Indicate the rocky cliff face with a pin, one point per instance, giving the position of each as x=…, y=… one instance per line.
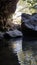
x=7, y=7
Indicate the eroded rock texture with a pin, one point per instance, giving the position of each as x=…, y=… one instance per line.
x=7, y=7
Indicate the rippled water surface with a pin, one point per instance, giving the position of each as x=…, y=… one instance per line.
x=18, y=52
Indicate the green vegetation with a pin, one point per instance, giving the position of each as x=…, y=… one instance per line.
x=31, y=5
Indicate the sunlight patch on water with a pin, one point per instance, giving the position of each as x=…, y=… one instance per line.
x=17, y=46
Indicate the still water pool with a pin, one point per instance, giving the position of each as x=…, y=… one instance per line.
x=18, y=52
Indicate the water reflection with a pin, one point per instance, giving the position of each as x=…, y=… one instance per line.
x=7, y=56
x=30, y=52
x=18, y=52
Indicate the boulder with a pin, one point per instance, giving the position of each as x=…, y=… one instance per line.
x=13, y=34
x=29, y=24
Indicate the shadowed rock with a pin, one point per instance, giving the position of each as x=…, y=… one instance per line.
x=7, y=8
x=29, y=24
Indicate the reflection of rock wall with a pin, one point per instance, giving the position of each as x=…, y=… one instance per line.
x=7, y=7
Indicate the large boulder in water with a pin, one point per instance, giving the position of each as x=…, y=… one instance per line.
x=29, y=24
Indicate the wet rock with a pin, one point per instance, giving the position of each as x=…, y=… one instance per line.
x=1, y=35
x=29, y=24
x=13, y=34
x=10, y=34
